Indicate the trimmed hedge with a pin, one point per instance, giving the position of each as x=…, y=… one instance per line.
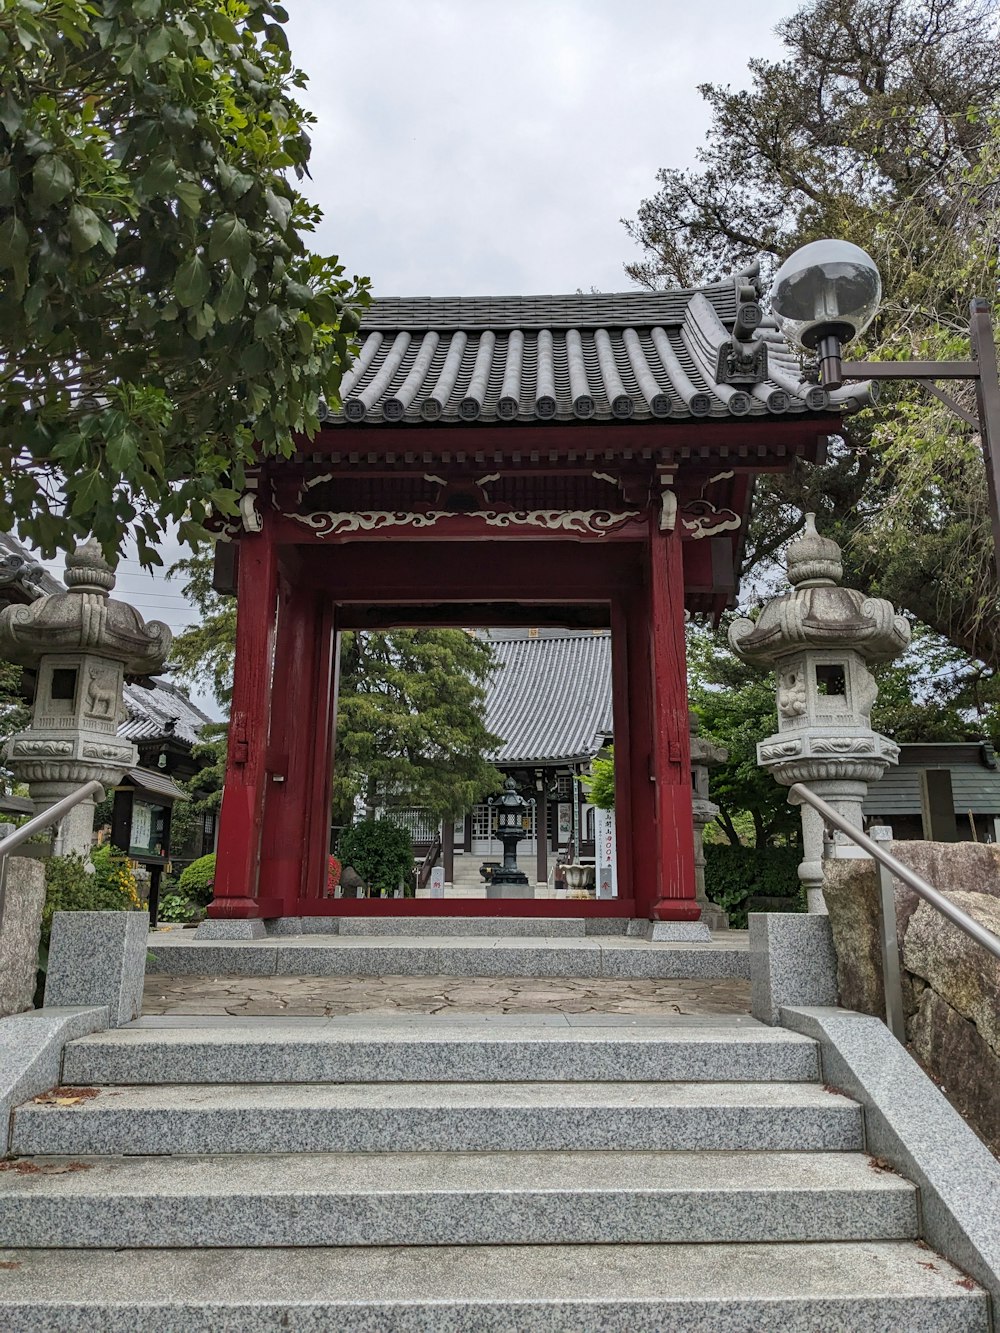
x=734, y=875
x=196, y=880
x=380, y=852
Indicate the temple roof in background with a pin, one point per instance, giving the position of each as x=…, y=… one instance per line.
x=164, y=710
x=624, y=356
x=22, y=577
x=550, y=695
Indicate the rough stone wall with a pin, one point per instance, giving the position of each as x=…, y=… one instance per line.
x=951, y=986
x=19, y=934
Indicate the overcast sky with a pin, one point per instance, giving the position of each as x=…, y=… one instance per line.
x=490, y=147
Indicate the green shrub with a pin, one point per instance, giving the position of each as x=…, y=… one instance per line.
x=70, y=888
x=176, y=907
x=380, y=852
x=197, y=880
x=734, y=875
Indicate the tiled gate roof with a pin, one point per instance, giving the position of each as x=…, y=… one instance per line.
x=614, y=357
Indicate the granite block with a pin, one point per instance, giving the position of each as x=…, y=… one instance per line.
x=20, y=929
x=457, y=1198
x=912, y=1125
x=443, y=1117
x=174, y=956
x=230, y=930
x=466, y=1052
x=429, y=958
x=98, y=958
x=304, y=925
x=31, y=1053
x=697, y=961
x=792, y=962
x=856, y=1287
x=444, y=927
x=678, y=930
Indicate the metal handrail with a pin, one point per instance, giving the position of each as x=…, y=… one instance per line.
x=888, y=866
x=37, y=822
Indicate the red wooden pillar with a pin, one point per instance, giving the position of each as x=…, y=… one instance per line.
x=324, y=727
x=671, y=739
x=632, y=699
x=241, y=816
x=294, y=744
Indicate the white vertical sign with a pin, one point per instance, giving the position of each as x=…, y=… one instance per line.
x=437, y=882
x=607, y=868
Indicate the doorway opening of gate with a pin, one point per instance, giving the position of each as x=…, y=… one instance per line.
x=531, y=834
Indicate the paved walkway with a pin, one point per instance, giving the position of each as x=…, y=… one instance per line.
x=332, y=996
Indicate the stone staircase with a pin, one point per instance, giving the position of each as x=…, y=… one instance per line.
x=557, y=1172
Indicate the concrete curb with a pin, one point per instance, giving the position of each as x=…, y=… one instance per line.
x=913, y=1126
x=31, y=1048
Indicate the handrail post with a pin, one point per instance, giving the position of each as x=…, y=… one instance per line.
x=889, y=939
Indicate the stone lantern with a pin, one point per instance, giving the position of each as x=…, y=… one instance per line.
x=511, y=811
x=820, y=639
x=704, y=753
x=81, y=644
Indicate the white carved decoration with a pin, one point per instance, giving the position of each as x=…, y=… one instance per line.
x=668, y=511
x=250, y=514
x=594, y=522
x=701, y=518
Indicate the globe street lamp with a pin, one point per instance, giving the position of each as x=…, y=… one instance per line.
x=828, y=292
x=825, y=294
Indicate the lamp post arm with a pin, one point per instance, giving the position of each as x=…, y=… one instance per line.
x=910, y=370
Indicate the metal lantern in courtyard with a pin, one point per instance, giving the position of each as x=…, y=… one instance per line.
x=825, y=294
x=511, y=810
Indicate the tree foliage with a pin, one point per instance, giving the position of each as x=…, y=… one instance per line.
x=410, y=727
x=14, y=714
x=381, y=852
x=736, y=708
x=161, y=318
x=600, y=784
x=881, y=124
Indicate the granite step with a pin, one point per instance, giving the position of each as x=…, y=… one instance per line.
x=442, y=1053
x=508, y=927
x=866, y=1287
x=176, y=953
x=453, y=1199
x=437, y=1117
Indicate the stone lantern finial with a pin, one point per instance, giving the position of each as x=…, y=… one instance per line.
x=821, y=639
x=82, y=644
x=814, y=560
x=88, y=571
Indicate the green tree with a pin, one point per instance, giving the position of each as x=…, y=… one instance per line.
x=735, y=704
x=881, y=124
x=410, y=727
x=161, y=319
x=14, y=714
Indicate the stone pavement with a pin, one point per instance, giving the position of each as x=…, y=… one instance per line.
x=332, y=996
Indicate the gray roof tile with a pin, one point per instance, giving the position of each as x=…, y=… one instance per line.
x=589, y=356
x=550, y=696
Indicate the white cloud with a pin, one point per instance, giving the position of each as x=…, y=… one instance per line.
x=469, y=147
